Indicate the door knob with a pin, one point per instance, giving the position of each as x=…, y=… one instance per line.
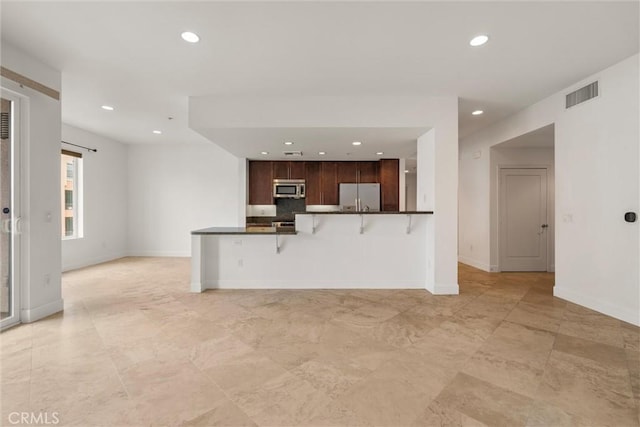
x=544, y=225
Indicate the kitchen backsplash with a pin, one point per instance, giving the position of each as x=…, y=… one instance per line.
x=261, y=210
x=286, y=207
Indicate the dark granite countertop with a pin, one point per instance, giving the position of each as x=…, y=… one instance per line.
x=367, y=213
x=269, y=219
x=239, y=230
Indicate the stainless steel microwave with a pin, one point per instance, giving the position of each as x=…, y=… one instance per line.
x=288, y=188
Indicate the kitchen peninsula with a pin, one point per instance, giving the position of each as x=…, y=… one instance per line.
x=327, y=250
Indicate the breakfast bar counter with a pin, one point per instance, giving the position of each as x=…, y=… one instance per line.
x=327, y=250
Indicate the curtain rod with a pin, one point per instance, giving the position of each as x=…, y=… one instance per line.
x=81, y=146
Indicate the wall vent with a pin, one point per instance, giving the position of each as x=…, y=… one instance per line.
x=4, y=126
x=292, y=153
x=582, y=94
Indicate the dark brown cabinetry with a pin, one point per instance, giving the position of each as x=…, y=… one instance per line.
x=358, y=172
x=288, y=170
x=260, y=183
x=329, y=178
x=313, y=183
x=323, y=179
x=347, y=172
x=368, y=173
x=321, y=183
x=389, y=184
x=296, y=170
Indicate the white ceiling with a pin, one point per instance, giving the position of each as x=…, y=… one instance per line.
x=335, y=142
x=130, y=55
x=539, y=138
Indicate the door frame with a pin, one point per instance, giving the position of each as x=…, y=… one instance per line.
x=551, y=229
x=17, y=264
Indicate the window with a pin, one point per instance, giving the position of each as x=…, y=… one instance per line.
x=71, y=195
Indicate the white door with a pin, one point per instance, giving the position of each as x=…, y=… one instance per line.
x=9, y=211
x=523, y=219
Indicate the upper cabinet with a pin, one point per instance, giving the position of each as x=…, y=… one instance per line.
x=347, y=172
x=260, y=183
x=358, y=172
x=288, y=170
x=368, y=172
x=296, y=170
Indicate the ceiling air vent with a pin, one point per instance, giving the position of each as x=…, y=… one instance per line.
x=582, y=94
x=4, y=125
x=292, y=153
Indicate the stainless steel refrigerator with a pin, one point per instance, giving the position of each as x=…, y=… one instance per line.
x=360, y=197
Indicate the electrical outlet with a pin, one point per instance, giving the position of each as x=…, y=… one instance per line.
x=240, y=262
x=47, y=279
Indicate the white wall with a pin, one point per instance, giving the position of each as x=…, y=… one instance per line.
x=40, y=180
x=105, y=182
x=596, y=182
x=410, y=191
x=538, y=157
x=174, y=189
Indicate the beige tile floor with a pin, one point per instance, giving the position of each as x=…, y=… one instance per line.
x=135, y=348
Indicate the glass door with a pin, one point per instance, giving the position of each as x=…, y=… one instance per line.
x=9, y=215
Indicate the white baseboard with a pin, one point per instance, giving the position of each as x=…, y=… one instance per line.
x=92, y=261
x=172, y=254
x=474, y=263
x=305, y=284
x=444, y=289
x=552, y=268
x=620, y=313
x=37, y=313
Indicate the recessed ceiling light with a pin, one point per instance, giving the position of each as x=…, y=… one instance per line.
x=107, y=107
x=264, y=152
x=406, y=171
x=479, y=40
x=322, y=153
x=288, y=143
x=157, y=132
x=379, y=153
x=190, y=37
x=477, y=112
x=356, y=143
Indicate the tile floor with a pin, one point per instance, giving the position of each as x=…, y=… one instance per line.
x=134, y=348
